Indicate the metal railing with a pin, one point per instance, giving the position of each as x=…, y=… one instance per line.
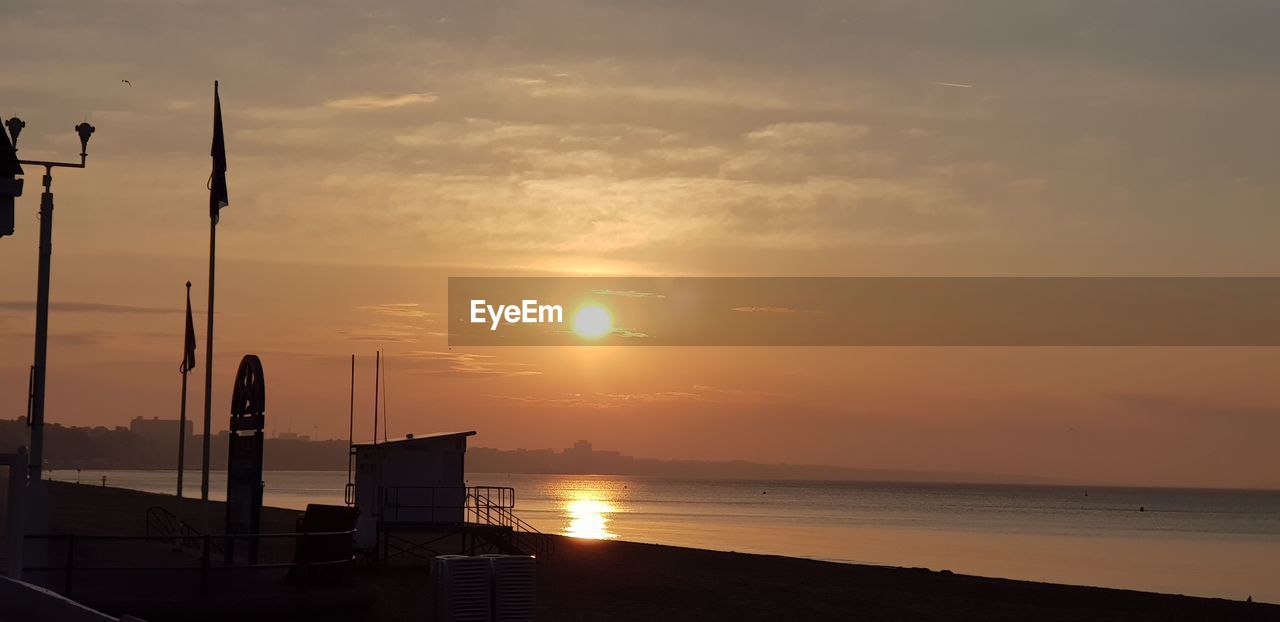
x=305, y=544
x=525, y=537
x=164, y=526
x=482, y=505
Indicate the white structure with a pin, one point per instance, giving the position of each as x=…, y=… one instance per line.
x=462, y=588
x=515, y=587
x=415, y=480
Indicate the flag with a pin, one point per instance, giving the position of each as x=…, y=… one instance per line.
x=218, y=179
x=189, y=349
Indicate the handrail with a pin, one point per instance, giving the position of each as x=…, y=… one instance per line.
x=484, y=505
x=219, y=536
x=525, y=537
x=206, y=566
x=169, y=528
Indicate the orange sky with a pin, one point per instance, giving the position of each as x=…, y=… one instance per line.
x=374, y=153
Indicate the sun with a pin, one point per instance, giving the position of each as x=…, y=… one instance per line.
x=592, y=322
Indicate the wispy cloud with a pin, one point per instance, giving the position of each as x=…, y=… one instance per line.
x=627, y=294
x=397, y=309
x=377, y=102
x=1193, y=408
x=779, y=310
x=464, y=364
x=794, y=135
x=87, y=307
x=609, y=401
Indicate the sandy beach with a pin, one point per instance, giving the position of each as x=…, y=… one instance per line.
x=611, y=580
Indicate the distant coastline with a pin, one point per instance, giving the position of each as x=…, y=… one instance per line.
x=151, y=446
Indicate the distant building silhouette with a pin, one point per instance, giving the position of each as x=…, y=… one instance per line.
x=583, y=458
x=160, y=433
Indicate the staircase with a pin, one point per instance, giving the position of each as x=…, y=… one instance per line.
x=493, y=505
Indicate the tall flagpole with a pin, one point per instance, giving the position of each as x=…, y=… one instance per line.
x=208, y=376
x=217, y=200
x=209, y=370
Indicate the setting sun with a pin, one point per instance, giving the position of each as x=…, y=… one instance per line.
x=588, y=518
x=592, y=322
x=639, y=311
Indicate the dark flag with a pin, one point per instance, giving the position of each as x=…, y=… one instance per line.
x=189, y=350
x=218, y=179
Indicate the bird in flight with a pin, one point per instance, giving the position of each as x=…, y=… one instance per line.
x=128, y=82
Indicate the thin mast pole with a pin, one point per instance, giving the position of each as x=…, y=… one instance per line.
x=182, y=416
x=377, y=378
x=351, y=418
x=386, y=427
x=182, y=433
x=36, y=420
x=208, y=376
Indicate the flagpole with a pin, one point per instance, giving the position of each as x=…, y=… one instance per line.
x=217, y=200
x=182, y=417
x=182, y=436
x=187, y=362
x=208, y=376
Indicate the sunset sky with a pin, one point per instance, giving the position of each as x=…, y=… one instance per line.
x=375, y=152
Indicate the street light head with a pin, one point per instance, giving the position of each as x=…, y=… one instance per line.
x=15, y=126
x=85, y=131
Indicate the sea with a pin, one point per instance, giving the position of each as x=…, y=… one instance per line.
x=1213, y=543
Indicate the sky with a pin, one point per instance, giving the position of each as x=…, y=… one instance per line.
x=375, y=151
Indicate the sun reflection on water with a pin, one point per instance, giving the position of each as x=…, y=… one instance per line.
x=589, y=518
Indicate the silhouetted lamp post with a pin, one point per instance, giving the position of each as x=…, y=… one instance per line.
x=35, y=405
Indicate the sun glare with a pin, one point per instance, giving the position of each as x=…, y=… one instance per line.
x=588, y=518
x=592, y=322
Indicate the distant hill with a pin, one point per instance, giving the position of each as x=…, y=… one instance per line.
x=70, y=447
x=582, y=459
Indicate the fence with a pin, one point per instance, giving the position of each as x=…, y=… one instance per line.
x=139, y=556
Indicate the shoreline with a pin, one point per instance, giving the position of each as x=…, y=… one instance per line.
x=765, y=480
x=619, y=580
x=1089, y=541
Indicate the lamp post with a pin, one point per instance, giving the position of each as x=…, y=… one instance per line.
x=35, y=405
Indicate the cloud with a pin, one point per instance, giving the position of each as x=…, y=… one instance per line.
x=612, y=401
x=794, y=135
x=398, y=309
x=769, y=309
x=629, y=333
x=1194, y=408
x=627, y=294
x=378, y=102
x=462, y=364
x=87, y=307
x=387, y=332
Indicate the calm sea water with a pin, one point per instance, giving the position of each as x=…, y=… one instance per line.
x=1198, y=542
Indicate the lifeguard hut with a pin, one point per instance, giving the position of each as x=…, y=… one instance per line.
x=411, y=493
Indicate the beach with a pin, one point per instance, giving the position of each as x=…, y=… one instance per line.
x=616, y=580
x=1210, y=543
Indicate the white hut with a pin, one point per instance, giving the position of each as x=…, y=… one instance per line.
x=410, y=481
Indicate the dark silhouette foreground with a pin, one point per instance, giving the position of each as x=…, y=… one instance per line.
x=594, y=580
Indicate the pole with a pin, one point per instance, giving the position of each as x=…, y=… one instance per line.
x=208, y=377
x=351, y=418
x=377, y=371
x=182, y=434
x=34, y=475
x=182, y=424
